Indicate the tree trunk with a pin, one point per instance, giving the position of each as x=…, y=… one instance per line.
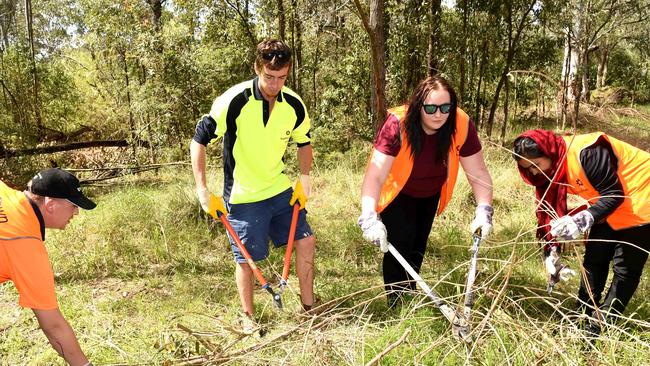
x=513, y=43
x=17, y=110
x=374, y=25
x=65, y=147
x=572, y=63
x=502, y=137
x=4, y=27
x=495, y=99
x=35, y=86
x=152, y=151
x=585, y=77
x=434, y=38
x=604, y=75
x=603, y=59
x=156, y=12
x=315, y=98
x=566, y=69
x=412, y=57
x=298, y=50
x=479, y=97
x=296, y=47
x=539, y=97
x=128, y=100
x=462, y=55
x=281, y=20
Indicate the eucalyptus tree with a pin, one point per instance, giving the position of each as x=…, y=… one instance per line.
x=517, y=17
x=372, y=18
x=586, y=23
x=435, y=10
x=624, y=37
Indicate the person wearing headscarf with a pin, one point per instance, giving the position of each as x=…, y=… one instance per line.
x=614, y=178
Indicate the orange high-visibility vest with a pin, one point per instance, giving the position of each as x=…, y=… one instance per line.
x=633, y=173
x=403, y=164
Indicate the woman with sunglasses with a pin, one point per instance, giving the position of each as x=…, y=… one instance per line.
x=614, y=177
x=411, y=176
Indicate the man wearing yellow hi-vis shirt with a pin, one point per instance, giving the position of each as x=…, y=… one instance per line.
x=257, y=119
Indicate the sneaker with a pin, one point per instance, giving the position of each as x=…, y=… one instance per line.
x=248, y=324
x=316, y=309
x=394, y=301
x=592, y=329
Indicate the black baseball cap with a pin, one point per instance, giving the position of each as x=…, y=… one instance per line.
x=58, y=183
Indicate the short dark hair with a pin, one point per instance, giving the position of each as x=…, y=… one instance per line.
x=526, y=148
x=274, y=54
x=413, y=122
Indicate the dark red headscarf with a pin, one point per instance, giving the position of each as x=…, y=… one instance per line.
x=553, y=193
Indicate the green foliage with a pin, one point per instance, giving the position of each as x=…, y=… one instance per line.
x=342, y=115
x=629, y=69
x=115, y=67
x=407, y=48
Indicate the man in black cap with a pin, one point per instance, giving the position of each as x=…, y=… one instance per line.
x=53, y=197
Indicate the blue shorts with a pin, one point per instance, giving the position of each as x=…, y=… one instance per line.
x=257, y=222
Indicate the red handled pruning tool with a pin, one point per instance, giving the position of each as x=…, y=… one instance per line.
x=220, y=213
x=289, y=252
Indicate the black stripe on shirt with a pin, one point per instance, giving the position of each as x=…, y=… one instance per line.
x=229, y=139
x=601, y=168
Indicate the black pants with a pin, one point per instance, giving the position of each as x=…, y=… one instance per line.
x=628, y=262
x=408, y=222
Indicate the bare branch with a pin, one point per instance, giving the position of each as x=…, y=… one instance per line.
x=363, y=15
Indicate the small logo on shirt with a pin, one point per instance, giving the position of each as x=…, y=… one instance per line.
x=579, y=186
x=3, y=216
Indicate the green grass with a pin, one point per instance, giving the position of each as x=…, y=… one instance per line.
x=147, y=259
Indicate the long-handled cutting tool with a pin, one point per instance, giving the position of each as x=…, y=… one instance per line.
x=458, y=322
x=220, y=213
x=288, y=253
x=298, y=200
x=554, y=279
x=562, y=271
x=471, y=277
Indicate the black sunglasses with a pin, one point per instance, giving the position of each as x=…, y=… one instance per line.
x=432, y=108
x=268, y=56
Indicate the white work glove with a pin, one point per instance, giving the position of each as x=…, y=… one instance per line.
x=482, y=220
x=374, y=230
x=571, y=227
x=553, y=264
